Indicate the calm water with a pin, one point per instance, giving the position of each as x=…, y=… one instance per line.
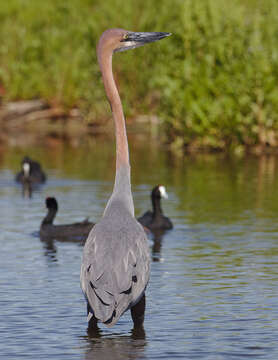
x=213, y=292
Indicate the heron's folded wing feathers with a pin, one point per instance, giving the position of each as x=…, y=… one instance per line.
x=114, y=275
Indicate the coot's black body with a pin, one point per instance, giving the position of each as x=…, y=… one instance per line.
x=155, y=220
x=78, y=230
x=31, y=172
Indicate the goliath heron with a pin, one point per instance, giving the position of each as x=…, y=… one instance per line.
x=116, y=263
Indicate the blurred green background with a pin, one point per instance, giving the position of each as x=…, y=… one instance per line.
x=212, y=85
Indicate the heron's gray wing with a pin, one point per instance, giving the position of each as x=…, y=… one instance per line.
x=115, y=269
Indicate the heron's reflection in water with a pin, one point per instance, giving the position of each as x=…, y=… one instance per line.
x=102, y=347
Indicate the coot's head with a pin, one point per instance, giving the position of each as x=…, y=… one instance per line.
x=26, y=166
x=51, y=203
x=159, y=192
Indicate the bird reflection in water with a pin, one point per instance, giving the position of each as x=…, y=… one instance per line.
x=27, y=189
x=157, y=237
x=102, y=347
x=50, y=249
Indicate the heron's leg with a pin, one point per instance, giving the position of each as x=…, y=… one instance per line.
x=92, y=323
x=93, y=330
x=138, y=312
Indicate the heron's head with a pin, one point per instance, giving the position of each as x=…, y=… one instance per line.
x=121, y=40
x=51, y=203
x=159, y=191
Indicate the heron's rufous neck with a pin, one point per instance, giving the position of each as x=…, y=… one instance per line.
x=122, y=186
x=105, y=63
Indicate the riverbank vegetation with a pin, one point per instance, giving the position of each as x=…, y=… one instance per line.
x=212, y=85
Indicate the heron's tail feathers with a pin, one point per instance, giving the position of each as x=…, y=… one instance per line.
x=108, y=307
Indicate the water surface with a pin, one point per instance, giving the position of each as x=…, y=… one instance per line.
x=214, y=280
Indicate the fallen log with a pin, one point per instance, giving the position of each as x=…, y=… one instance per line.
x=20, y=108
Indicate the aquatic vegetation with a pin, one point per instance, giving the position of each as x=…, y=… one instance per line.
x=214, y=84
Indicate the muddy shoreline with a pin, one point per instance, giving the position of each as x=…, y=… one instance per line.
x=29, y=122
x=37, y=122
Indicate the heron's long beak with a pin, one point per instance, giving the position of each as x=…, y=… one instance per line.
x=145, y=37
x=136, y=39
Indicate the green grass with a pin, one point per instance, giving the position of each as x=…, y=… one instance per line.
x=212, y=84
